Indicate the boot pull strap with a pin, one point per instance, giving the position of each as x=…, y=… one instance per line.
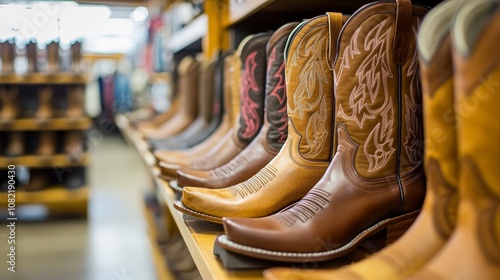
x=403, y=30
x=334, y=28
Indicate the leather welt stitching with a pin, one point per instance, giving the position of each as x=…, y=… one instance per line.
x=254, y=184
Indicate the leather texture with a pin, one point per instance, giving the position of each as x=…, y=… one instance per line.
x=305, y=155
x=437, y=218
x=376, y=180
x=189, y=70
x=253, y=70
x=473, y=249
x=271, y=137
x=175, y=159
x=205, y=98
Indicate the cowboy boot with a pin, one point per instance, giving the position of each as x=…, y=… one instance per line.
x=253, y=72
x=375, y=181
x=10, y=105
x=16, y=144
x=205, y=102
x=45, y=109
x=73, y=145
x=305, y=155
x=46, y=143
x=76, y=56
x=271, y=137
x=8, y=53
x=473, y=249
x=231, y=111
x=189, y=70
x=31, y=50
x=53, y=57
x=38, y=181
x=75, y=102
x=437, y=218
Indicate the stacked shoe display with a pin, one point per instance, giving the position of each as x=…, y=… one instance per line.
x=346, y=128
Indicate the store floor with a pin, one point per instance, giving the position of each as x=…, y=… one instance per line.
x=111, y=245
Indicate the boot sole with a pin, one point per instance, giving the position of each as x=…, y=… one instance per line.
x=181, y=208
x=392, y=224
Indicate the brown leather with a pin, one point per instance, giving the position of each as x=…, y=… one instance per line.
x=75, y=102
x=365, y=189
x=174, y=160
x=31, y=55
x=15, y=146
x=437, y=218
x=473, y=250
x=249, y=122
x=306, y=153
x=76, y=56
x=73, y=145
x=188, y=86
x=7, y=53
x=53, y=57
x=46, y=143
x=159, y=119
x=271, y=137
x=45, y=107
x=10, y=104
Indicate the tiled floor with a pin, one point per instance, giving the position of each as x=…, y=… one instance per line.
x=111, y=245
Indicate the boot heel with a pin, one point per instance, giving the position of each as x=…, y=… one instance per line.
x=391, y=233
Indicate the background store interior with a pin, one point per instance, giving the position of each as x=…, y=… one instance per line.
x=124, y=60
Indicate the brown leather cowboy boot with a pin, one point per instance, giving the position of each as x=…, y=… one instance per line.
x=188, y=70
x=272, y=135
x=376, y=180
x=473, y=250
x=76, y=56
x=73, y=145
x=180, y=158
x=45, y=109
x=46, y=143
x=8, y=53
x=10, y=105
x=75, y=102
x=437, y=218
x=53, y=57
x=252, y=93
x=16, y=144
x=31, y=50
x=305, y=155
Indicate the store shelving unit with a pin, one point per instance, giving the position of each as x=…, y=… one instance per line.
x=57, y=199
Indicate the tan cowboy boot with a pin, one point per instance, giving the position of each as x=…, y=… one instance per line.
x=306, y=153
x=46, y=143
x=75, y=102
x=375, y=181
x=15, y=146
x=73, y=145
x=10, y=104
x=473, y=250
x=31, y=55
x=45, y=109
x=53, y=57
x=7, y=53
x=437, y=218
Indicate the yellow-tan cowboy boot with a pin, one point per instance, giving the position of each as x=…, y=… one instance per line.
x=75, y=102
x=46, y=143
x=45, y=107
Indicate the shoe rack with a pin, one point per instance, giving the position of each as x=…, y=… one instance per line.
x=222, y=26
x=42, y=125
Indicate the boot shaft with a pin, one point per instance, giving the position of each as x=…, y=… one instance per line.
x=206, y=89
x=53, y=57
x=309, y=89
x=76, y=55
x=7, y=52
x=275, y=103
x=188, y=80
x=378, y=97
x=232, y=71
x=31, y=54
x=252, y=86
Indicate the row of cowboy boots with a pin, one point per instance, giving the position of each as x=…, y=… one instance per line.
x=40, y=179
x=46, y=145
x=11, y=107
x=8, y=55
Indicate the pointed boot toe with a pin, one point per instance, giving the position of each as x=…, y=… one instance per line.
x=193, y=178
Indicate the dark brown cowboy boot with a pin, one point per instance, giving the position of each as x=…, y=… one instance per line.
x=31, y=54
x=252, y=92
x=53, y=57
x=8, y=53
x=76, y=56
x=375, y=181
x=272, y=135
x=305, y=156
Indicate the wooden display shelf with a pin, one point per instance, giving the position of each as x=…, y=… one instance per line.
x=57, y=199
x=37, y=161
x=189, y=35
x=200, y=237
x=59, y=78
x=48, y=124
